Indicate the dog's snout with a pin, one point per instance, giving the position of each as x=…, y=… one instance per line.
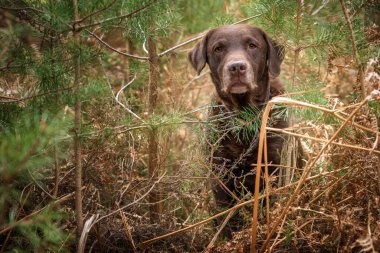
x=237, y=66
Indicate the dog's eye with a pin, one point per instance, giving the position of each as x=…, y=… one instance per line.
x=251, y=45
x=218, y=49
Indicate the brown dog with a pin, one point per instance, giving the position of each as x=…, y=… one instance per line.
x=244, y=64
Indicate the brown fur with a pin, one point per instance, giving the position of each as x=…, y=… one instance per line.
x=245, y=65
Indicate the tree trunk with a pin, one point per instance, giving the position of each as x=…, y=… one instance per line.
x=153, y=162
x=77, y=128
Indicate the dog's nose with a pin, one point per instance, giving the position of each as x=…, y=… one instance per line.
x=237, y=66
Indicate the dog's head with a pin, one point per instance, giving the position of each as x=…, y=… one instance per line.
x=241, y=59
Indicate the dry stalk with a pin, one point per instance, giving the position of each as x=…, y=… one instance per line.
x=262, y=137
x=234, y=208
x=127, y=230
x=293, y=232
x=305, y=173
x=266, y=175
x=321, y=140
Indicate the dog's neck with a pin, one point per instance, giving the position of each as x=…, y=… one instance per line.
x=249, y=99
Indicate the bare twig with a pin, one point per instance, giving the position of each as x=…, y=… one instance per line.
x=128, y=231
x=137, y=57
x=125, y=107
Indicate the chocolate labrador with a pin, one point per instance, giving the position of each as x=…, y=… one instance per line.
x=245, y=65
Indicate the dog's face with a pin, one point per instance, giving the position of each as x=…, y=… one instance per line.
x=239, y=56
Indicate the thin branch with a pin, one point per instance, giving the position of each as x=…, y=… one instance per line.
x=94, y=13
x=77, y=130
x=125, y=107
x=201, y=35
x=137, y=57
x=86, y=230
x=213, y=240
x=115, y=50
x=20, y=9
x=18, y=100
x=359, y=9
x=118, y=17
x=246, y=19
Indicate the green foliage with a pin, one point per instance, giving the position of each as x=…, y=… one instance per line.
x=246, y=125
x=42, y=232
x=321, y=30
x=24, y=152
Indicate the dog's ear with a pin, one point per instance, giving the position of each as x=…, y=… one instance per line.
x=198, y=55
x=275, y=56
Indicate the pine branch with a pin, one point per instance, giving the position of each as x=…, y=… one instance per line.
x=131, y=14
x=95, y=13
x=20, y=9
x=359, y=9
